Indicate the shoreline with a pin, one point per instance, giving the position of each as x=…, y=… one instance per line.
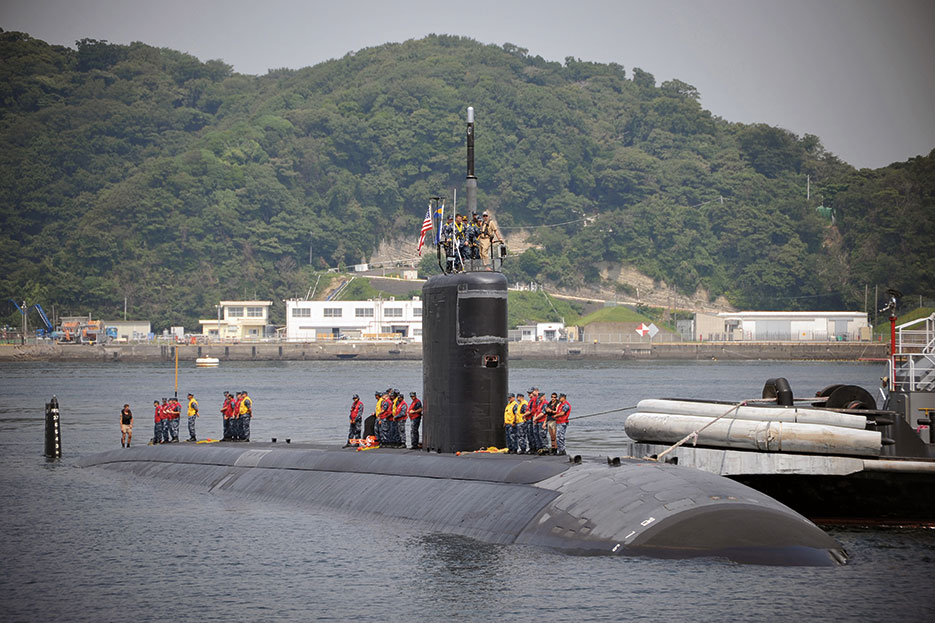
x=392, y=351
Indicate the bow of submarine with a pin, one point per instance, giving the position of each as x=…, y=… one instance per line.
x=637, y=508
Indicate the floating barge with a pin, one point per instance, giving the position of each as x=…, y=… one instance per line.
x=834, y=457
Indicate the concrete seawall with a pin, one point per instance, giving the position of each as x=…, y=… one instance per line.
x=388, y=351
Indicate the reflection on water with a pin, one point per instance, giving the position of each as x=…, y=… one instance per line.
x=96, y=545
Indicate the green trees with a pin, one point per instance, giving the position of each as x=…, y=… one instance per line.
x=137, y=172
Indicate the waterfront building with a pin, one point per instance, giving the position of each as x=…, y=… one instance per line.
x=238, y=320
x=539, y=332
x=782, y=326
x=372, y=319
x=130, y=330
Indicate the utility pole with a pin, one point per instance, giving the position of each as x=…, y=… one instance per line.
x=24, y=322
x=876, y=298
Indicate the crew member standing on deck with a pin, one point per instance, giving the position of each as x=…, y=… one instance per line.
x=126, y=426
x=166, y=421
x=532, y=435
x=400, y=414
x=175, y=417
x=415, y=415
x=509, y=423
x=380, y=411
x=561, y=422
x=227, y=410
x=489, y=233
x=522, y=410
x=157, y=422
x=246, y=414
x=192, y=416
x=235, y=417
x=550, y=410
x=353, y=431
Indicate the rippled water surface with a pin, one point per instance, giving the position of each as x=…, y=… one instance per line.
x=93, y=545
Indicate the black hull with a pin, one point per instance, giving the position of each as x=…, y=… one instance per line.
x=864, y=498
x=593, y=507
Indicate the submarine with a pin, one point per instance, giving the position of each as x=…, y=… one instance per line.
x=581, y=505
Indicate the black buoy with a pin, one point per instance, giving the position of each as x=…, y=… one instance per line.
x=53, y=430
x=464, y=361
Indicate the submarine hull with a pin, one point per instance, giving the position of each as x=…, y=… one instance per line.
x=636, y=508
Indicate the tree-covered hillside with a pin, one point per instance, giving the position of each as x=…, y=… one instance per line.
x=143, y=173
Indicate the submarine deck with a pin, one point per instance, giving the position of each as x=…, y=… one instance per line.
x=635, y=507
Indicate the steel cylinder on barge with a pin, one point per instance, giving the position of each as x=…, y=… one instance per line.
x=464, y=361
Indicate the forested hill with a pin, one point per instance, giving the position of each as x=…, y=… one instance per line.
x=143, y=173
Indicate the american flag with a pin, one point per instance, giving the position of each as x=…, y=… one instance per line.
x=426, y=227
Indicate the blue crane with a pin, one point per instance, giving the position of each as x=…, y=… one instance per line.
x=47, y=329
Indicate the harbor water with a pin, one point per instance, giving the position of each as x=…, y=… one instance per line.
x=97, y=545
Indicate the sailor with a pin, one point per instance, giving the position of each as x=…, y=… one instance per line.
x=126, y=426
x=534, y=417
x=235, y=417
x=472, y=230
x=509, y=423
x=157, y=422
x=522, y=410
x=380, y=411
x=448, y=242
x=460, y=241
x=540, y=422
x=192, y=415
x=561, y=422
x=246, y=414
x=175, y=416
x=166, y=427
x=353, y=431
x=488, y=233
x=550, y=411
x=400, y=415
x=415, y=416
x=227, y=411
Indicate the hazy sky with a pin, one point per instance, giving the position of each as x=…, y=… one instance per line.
x=860, y=74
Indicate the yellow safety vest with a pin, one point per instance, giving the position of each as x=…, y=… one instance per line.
x=509, y=413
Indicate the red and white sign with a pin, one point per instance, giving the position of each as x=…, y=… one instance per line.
x=651, y=330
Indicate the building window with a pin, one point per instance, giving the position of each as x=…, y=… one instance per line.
x=363, y=312
x=235, y=312
x=417, y=312
x=254, y=312
x=332, y=312
x=392, y=312
x=416, y=332
x=301, y=312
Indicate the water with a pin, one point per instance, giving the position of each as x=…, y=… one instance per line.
x=94, y=545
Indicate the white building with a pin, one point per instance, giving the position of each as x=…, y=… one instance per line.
x=367, y=320
x=782, y=326
x=542, y=331
x=238, y=320
x=131, y=330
